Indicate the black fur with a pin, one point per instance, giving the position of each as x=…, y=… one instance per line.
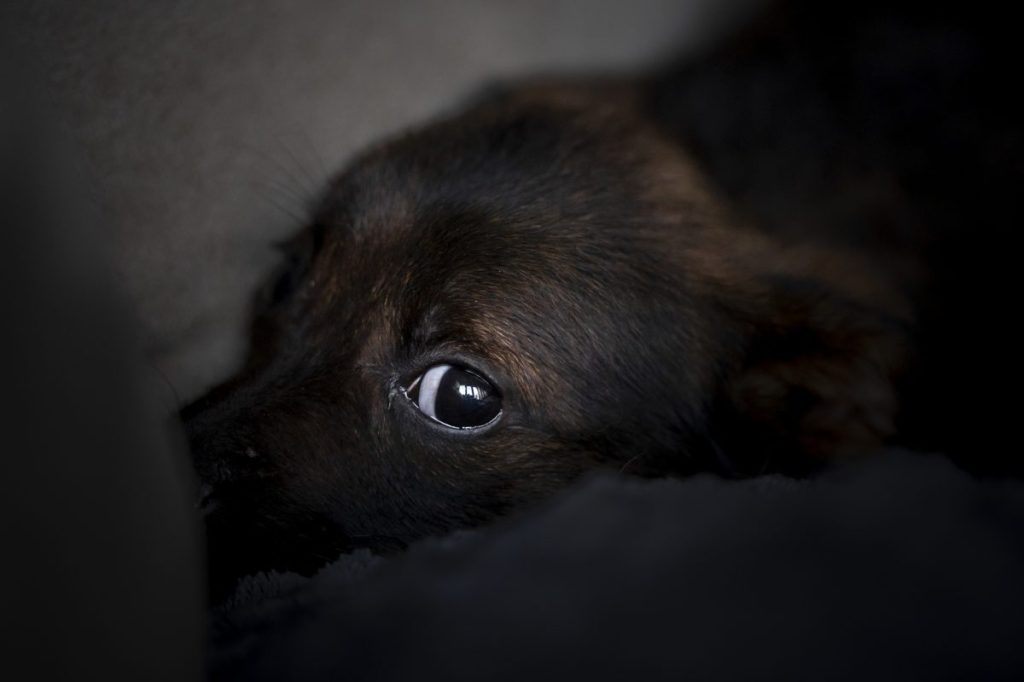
x=718, y=267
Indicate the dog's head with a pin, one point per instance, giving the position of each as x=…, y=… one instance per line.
x=485, y=308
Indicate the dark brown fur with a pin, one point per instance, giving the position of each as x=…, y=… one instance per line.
x=578, y=244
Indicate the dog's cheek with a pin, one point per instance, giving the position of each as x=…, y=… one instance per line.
x=445, y=483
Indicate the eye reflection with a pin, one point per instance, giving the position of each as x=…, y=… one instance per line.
x=468, y=391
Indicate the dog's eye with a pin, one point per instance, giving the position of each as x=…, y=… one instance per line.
x=455, y=396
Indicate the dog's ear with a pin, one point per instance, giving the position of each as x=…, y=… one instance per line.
x=820, y=342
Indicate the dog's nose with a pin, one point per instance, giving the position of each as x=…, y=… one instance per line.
x=222, y=444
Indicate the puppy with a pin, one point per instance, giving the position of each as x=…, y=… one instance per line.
x=716, y=267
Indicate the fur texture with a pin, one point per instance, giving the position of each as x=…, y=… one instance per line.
x=716, y=267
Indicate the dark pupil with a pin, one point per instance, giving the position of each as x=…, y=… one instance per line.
x=464, y=399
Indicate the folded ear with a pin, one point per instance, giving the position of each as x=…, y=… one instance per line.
x=822, y=339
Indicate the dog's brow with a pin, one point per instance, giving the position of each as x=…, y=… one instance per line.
x=423, y=328
x=377, y=196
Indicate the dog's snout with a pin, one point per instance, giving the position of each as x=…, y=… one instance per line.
x=222, y=446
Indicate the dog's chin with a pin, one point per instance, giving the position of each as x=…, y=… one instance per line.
x=241, y=541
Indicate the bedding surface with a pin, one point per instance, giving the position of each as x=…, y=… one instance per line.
x=900, y=567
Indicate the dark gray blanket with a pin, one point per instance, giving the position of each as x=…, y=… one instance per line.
x=901, y=567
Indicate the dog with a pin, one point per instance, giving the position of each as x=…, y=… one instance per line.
x=726, y=266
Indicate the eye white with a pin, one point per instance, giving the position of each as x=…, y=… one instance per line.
x=427, y=399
